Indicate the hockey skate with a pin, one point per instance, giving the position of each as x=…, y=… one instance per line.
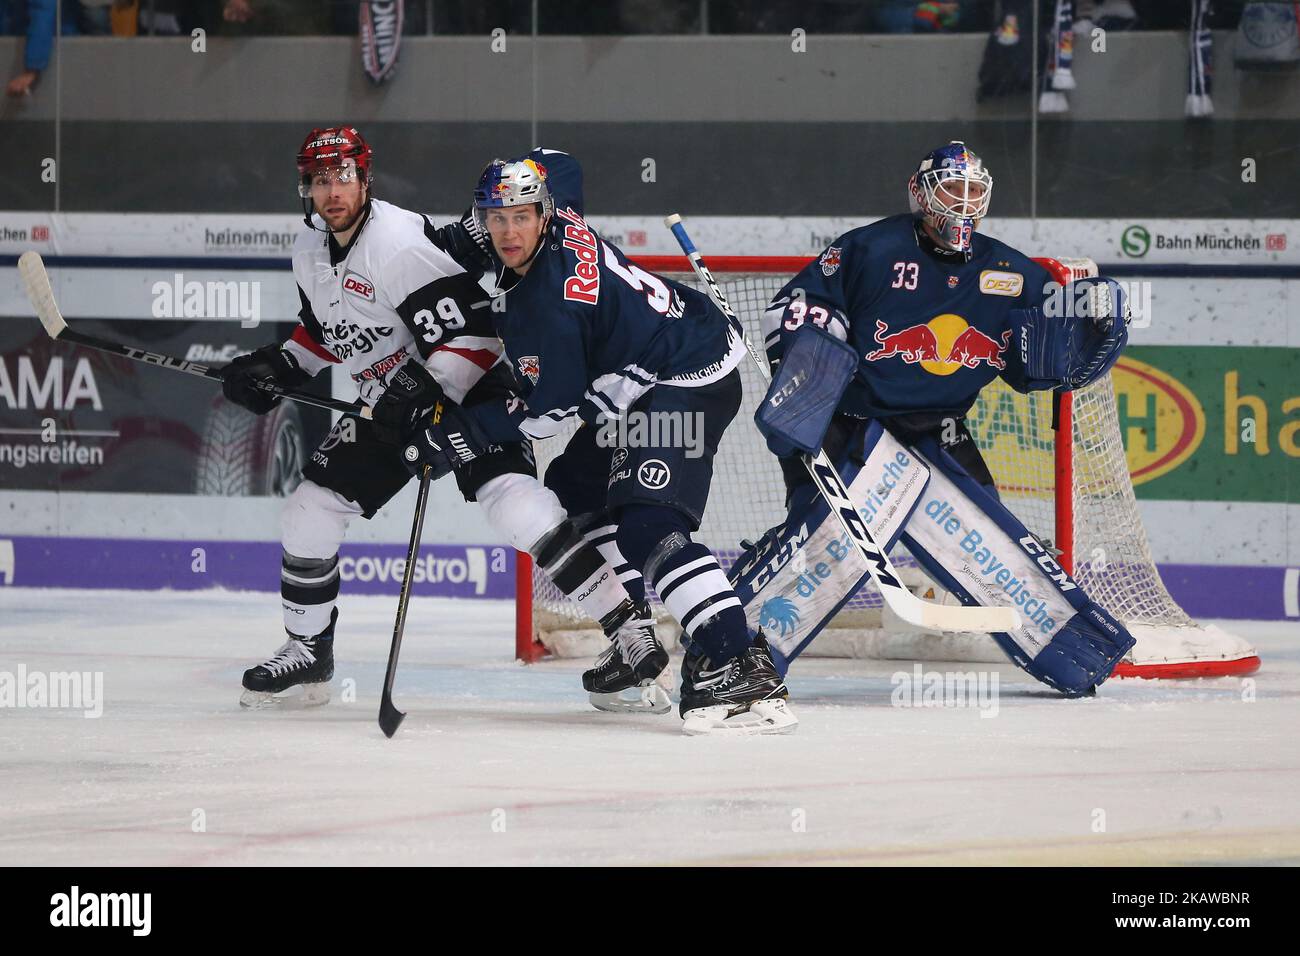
x=743, y=696
x=306, y=662
x=626, y=677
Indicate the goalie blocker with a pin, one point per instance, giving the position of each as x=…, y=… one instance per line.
x=795, y=579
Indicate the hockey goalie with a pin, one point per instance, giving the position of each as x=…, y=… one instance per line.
x=879, y=348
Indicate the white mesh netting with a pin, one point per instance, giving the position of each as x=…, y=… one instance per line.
x=1014, y=432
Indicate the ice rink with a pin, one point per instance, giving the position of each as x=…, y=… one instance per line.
x=498, y=763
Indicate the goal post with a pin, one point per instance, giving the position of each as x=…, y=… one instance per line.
x=1059, y=464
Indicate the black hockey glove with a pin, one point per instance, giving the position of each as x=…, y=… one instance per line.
x=243, y=380
x=465, y=241
x=450, y=438
x=409, y=398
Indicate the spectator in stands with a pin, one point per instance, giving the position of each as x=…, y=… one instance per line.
x=275, y=17
x=35, y=19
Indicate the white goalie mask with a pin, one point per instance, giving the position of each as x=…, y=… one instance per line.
x=951, y=191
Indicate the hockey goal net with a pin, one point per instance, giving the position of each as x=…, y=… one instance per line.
x=1077, y=493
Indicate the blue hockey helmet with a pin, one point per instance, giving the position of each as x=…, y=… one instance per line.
x=951, y=191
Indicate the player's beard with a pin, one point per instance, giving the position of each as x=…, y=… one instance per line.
x=351, y=220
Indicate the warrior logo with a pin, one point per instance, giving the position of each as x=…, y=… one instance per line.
x=654, y=474
x=530, y=368
x=779, y=614
x=830, y=261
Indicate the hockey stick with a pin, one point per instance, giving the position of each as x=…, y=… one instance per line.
x=390, y=718
x=901, y=601
x=36, y=282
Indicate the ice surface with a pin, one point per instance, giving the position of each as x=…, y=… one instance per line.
x=503, y=764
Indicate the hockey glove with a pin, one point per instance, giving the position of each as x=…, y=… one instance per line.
x=450, y=438
x=465, y=241
x=246, y=379
x=410, y=396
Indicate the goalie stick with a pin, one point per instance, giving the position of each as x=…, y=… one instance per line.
x=36, y=282
x=390, y=718
x=901, y=601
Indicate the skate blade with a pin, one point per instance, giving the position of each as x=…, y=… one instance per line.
x=761, y=717
x=295, y=698
x=650, y=699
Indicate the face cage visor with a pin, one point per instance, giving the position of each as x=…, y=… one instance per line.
x=954, y=202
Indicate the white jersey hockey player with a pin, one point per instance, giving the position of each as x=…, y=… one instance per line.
x=382, y=297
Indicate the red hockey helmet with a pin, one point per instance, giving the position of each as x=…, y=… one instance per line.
x=332, y=147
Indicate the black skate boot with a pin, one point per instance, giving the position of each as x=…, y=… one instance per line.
x=745, y=695
x=624, y=678
x=305, y=661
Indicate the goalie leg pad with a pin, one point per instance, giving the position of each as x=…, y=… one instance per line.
x=800, y=573
x=973, y=546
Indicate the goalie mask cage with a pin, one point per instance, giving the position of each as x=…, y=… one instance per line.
x=1076, y=493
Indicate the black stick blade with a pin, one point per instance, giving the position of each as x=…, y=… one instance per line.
x=390, y=718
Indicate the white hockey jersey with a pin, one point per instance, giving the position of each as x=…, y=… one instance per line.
x=391, y=295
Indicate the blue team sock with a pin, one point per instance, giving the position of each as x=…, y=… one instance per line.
x=687, y=577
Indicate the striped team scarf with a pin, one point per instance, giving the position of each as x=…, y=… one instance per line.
x=381, y=37
x=1058, y=77
x=1200, y=61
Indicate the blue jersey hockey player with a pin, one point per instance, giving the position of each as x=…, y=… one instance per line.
x=590, y=334
x=934, y=311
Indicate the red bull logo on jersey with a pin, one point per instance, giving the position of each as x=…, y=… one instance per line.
x=530, y=368
x=973, y=347
x=830, y=261
x=913, y=344
x=941, y=346
x=584, y=284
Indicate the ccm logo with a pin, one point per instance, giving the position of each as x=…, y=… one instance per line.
x=1001, y=283
x=358, y=286
x=1050, y=567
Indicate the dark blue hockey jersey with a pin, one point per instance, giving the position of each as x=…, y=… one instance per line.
x=931, y=330
x=587, y=332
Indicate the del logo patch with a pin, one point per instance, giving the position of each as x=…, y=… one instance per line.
x=358, y=286
x=530, y=368
x=830, y=261
x=993, y=282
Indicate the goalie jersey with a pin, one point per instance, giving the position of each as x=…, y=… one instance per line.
x=930, y=329
x=391, y=295
x=588, y=332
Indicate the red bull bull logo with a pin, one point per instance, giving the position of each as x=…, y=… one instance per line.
x=973, y=347
x=941, y=346
x=917, y=343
